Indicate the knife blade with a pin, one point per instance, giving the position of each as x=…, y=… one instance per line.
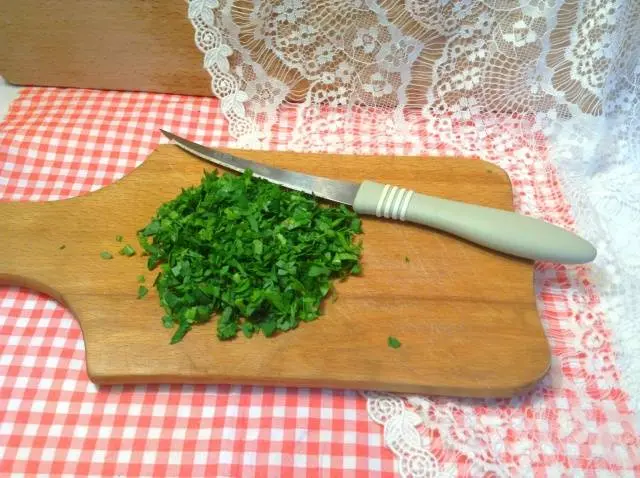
x=332, y=189
x=496, y=229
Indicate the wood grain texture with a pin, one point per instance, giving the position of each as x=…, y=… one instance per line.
x=466, y=316
x=102, y=44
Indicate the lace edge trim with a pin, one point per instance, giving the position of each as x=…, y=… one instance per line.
x=224, y=84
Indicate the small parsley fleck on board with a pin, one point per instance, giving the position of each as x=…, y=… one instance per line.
x=127, y=251
x=257, y=257
x=141, y=279
x=406, y=259
x=119, y=238
x=106, y=255
x=62, y=247
x=142, y=291
x=393, y=342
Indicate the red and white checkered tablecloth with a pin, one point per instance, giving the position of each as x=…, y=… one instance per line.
x=57, y=143
x=53, y=421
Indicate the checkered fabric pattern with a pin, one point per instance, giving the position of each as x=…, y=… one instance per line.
x=53, y=421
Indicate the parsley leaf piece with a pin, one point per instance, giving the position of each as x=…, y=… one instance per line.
x=119, y=238
x=183, y=328
x=151, y=229
x=268, y=327
x=393, y=342
x=106, y=255
x=255, y=256
x=406, y=259
x=141, y=279
x=248, y=329
x=167, y=321
x=142, y=291
x=62, y=246
x=227, y=325
x=315, y=270
x=127, y=251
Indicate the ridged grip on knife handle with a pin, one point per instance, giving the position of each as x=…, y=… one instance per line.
x=500, y=230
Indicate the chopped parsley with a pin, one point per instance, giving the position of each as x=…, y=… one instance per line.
x=106, y=255
x=127, y=251
x=141, y=279
x=142, y=291
x=119, y=238
x=257, y=256
x=406, y=259
x=62, y=246
x=393, y=342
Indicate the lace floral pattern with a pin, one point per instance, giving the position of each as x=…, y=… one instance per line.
x=546, y=89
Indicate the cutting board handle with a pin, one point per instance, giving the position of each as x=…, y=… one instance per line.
x=25, y=262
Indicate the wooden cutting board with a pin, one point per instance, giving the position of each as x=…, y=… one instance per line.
x=466, y=316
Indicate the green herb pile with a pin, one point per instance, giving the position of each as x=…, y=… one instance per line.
x=256, y=255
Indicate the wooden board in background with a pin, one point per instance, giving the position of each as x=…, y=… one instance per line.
x=466, y=316
x=102, y=44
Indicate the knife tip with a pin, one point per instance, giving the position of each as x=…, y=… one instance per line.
x=167, y=134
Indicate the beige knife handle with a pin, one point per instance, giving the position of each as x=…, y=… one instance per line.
x=496, y=229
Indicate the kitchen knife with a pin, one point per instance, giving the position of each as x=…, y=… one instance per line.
x=500, y=230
